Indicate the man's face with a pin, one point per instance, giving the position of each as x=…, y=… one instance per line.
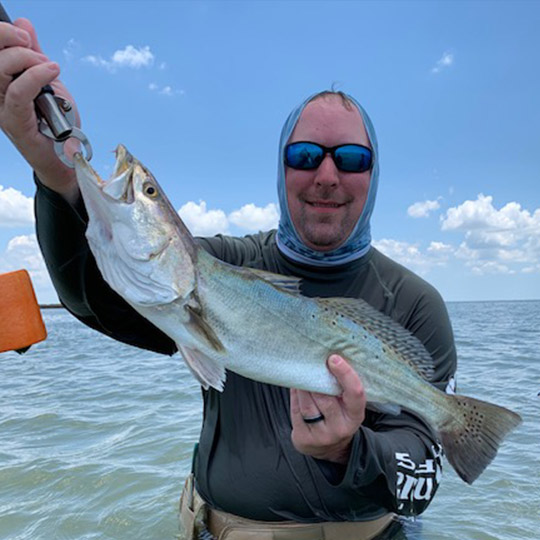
x=325, y=203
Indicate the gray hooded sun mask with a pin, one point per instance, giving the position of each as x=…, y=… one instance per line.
x=359, y=241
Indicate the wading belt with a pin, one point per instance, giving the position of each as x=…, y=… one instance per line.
x=199, y=522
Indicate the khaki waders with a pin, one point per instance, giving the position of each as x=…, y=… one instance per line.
x=197, y=519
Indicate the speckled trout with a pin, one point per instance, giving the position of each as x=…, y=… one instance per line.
x=258, y=325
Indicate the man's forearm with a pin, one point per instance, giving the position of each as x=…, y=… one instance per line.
x=397, y=462
x=65, y=184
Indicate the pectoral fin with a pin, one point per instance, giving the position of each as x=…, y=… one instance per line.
x=206, y=370
x=200, y=326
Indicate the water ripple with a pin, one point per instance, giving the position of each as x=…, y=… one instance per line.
x=97, y=436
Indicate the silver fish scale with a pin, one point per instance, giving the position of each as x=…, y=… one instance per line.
x=280, y=338
x=392, y=335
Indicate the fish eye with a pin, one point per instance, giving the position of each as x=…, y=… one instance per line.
x=150, y=190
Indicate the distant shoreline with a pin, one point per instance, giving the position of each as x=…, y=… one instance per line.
x=51, y=306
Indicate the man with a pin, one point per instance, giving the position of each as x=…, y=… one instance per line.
x=303, y=464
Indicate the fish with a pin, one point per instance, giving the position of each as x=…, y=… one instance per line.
x=257, y=324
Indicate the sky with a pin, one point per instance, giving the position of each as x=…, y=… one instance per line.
x=198, y=91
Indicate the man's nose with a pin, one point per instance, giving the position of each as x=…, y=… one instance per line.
x=327, y=172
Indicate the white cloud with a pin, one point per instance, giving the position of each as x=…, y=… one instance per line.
x=132, y=57
x=165, y=90
x=397, y=249
x=98, y=61
x=411, y=256
x=16, y=210
x=25, y=248
x=491, y=267
x=440, y=248
x=203, y=222
x=71, y=49
x=255, y=218
x=495, y=240
x=481, y=214
x=23, y=252
x=422, y=209
x=445, y=61
x=128, y=57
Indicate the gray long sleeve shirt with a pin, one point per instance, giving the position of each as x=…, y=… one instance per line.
x=246, y=463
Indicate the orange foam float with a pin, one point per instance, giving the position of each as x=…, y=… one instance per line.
x=21, y=324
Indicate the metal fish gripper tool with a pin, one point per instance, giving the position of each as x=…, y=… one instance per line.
x=56, y=117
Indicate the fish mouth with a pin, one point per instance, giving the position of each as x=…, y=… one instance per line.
x=119, y=187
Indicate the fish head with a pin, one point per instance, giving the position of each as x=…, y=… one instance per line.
x=141, y=246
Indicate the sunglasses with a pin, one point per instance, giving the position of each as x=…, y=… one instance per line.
x=304, y=155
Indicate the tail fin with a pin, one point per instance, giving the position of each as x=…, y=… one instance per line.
x=472, y=437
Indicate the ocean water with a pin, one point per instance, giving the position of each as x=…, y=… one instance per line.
x=96, y=437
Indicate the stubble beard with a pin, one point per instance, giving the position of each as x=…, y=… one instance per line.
x=324, y=233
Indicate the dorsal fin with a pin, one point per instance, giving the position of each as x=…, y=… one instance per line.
x=287, y=283
x=400, y=341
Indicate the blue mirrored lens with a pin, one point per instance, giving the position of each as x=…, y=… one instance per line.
x=352, y=158
x=347, y=157
x=303, y=155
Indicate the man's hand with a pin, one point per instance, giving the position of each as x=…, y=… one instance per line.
x=20, y=53
x=329, y=439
